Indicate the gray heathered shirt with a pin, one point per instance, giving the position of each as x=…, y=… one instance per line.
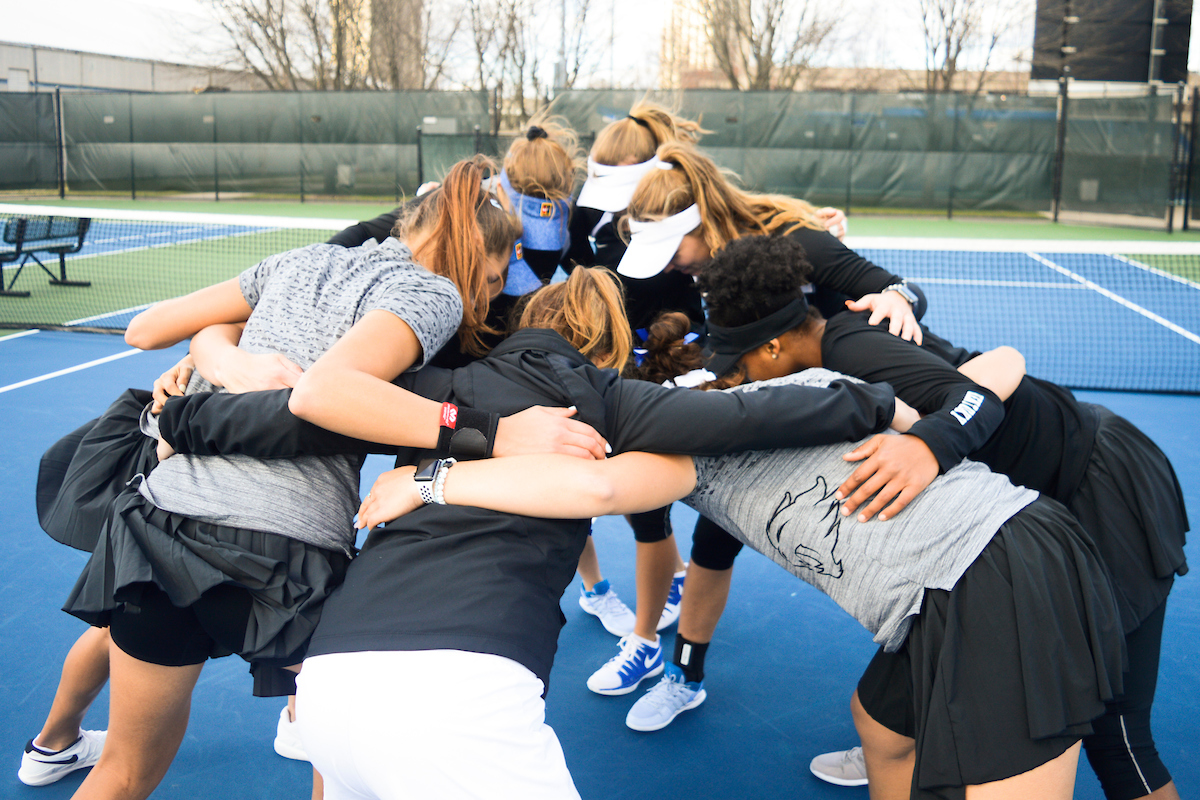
x=781, y=503
x=304, y=301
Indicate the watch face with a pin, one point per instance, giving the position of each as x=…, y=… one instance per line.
x=427, y=469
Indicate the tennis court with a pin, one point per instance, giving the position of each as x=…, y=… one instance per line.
x=785, y=658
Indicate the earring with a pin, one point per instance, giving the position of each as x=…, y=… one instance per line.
x=774, y=355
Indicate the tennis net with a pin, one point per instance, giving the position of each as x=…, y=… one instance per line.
x=1112, y=315
x=115, y=263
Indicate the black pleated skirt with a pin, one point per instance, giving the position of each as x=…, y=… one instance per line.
x=1006, y=671
x=140, y=543
x=82, y=473
x=1130, y=502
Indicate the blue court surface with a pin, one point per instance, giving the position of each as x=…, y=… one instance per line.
x=780, y=670
x=1091, y=320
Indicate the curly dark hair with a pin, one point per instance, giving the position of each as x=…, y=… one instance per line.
x=667, y=356
x=752, y=277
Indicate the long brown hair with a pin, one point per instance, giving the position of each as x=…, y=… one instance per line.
x=726, y=212
x=638, y=135
x=588, y=310
x=545, y=159
x=465, y=224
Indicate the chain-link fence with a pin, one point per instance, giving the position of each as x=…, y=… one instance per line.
x=856, y=150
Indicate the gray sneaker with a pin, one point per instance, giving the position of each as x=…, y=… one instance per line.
x=845, y=767
x=40, y=767
x=666, y=700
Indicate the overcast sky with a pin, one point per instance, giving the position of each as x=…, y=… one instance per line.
x=183, y=31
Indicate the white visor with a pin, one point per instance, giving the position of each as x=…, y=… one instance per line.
x=610, y=188
x=652, y=245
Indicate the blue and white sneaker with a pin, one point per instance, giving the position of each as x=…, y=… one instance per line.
x=603, y=602
x=665, y=701
x=40, y=767
x=670, y=612
x=637, y=660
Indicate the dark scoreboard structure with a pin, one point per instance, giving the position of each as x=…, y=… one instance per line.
x=1112, y=40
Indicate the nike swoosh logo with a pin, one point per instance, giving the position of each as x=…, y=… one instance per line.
x=70, y=760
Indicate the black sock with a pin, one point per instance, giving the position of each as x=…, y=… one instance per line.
x=689, y=657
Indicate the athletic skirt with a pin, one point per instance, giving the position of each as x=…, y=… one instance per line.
x=1130, y=502
x=82, y=473
x=1006, y=671
x=141, y=544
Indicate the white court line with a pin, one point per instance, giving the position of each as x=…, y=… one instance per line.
x=1156, y=271
x=1150, y=315
x=983, y=282
x=18, y=335
x=130, y=352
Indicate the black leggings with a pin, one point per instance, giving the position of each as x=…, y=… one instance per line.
x=1121, y=749
x=156, y=631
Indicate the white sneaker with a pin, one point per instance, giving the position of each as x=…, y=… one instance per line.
x=637, y=660
x=670, y=611
x=845, y=767
x=287, y=738
x=666, y=700
x=40, y=767
x=603, y=602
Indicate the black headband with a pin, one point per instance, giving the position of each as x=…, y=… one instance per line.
x=730, y=344
x=641, y=122
x=535, y=132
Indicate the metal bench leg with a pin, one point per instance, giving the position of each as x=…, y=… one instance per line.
x=62, y=269
x=9, y=291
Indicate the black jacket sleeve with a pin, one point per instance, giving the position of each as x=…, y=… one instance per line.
x=838, y=269
x=646, y=416
x=256, y=424
x=960, y=416
x=378, y=229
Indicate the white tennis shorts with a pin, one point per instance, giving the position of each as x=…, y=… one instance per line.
x=428, y=724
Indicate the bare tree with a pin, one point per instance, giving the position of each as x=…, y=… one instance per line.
x=962, y=36
x=763, y=44
x=297, y=44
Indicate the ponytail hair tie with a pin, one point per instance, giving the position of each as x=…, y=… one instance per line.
x=535, y=132
x=639, y=121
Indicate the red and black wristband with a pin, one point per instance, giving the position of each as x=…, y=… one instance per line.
x=466, y=432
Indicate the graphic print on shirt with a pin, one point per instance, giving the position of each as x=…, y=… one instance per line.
x=781, y=533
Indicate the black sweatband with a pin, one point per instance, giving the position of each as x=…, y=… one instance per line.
x=472, y=435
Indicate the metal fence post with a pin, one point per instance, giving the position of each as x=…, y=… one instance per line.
x=300, y=136
x=132, y=175
x=216, y=155
x=1177, y=158
x=60, y=145
x=1191, y=161
x=850, y=155
x=420, y=160
x=478, y=141
x=953, y=152
x=1060, y=145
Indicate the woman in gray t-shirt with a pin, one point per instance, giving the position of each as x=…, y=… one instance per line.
x=997, y=595
x=208, y=556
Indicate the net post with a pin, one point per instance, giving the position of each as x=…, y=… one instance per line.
x=60, y=145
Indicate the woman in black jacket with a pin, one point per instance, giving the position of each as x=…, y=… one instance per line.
x=479, y=584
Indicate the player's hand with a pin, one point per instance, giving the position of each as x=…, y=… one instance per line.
x=164, y=450
x=172, y=383
x=895, y=469
x=248, y=372
x=393, y=495
x=834, y=221
x=548, y=430
x=890, y=306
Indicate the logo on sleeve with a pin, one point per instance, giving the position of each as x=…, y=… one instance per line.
x=547, y=209
x=965, y=410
